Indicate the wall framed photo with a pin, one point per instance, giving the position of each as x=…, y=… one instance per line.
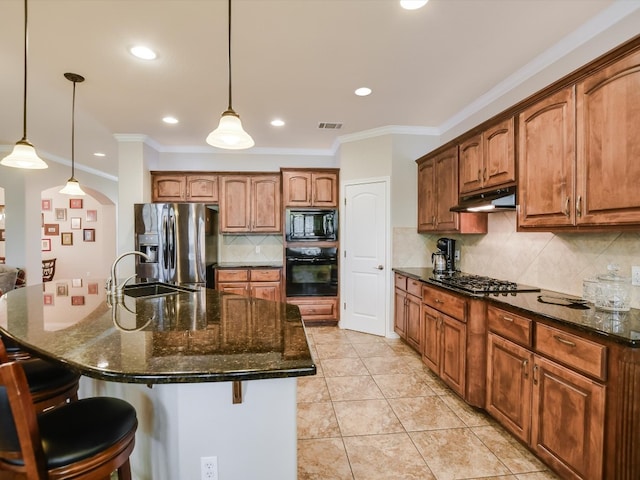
x=46, y=204
x=45, y=244
x=77, y=300
x=89, y=234
x=61, y=214
x=75, y=203
x=51, y=229
x=62, y=290
x=67, y=238
x=47, y=299
x=92, y=216
x=76, y=282
x=92, y=288
x=2, y=237
x=76, y=223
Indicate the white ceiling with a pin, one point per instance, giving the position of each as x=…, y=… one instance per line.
x=299, y=60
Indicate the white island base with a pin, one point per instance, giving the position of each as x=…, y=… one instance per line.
x=180, y=423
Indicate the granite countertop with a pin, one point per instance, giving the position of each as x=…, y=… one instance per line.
x=201, y=336
x=620, y=327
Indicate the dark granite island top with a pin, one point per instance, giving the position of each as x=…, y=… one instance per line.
x=204, y=336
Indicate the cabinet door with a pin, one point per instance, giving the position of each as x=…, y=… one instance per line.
x=471, y=165
x=546, y=158
x=509, y=385
x=202, y=188
x=608, y=172
x=296, y=189
x=499, y=156
x=446, y=175
x=237, y=288
x=567, y=429
x=453, y=360
x=266, y=290
x=426, y=196
x=169, y=188
x=265, y=204
x=400, y=313
x=325, y=189
x=235, y=204
x=414, y=330
x=431, y=341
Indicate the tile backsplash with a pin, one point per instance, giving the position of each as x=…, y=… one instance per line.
x=556, y=262
x=250, y=248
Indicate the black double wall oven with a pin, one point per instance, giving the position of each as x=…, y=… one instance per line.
x=311, y=253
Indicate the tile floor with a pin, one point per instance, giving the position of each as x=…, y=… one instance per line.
x=374, y=411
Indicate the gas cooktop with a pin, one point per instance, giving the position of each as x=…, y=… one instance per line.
x=480, y=285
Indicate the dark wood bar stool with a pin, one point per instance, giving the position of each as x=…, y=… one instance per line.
x=50, y=385
x=87, y=439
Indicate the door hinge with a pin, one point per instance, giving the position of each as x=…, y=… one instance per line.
x=344, y=306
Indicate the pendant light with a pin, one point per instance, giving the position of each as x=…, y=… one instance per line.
x=73, y=187
x=230, y=134
x=24, y=154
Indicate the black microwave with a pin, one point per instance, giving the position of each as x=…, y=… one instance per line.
x=311, y=225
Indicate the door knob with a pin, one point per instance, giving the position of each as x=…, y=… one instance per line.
x=379, y=267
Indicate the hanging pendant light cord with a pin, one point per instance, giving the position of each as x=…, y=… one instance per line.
x=229, y=45
x=24, y=96
x=73, y=131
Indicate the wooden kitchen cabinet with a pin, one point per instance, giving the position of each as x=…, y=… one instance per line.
x=182, y=187
x=407, y=315
x=310, y=188
x=317, y=310
x=265, y=283
x=438, y=192
x=487, y=160
x=250, y=204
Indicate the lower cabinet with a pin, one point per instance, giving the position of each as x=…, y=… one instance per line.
x=407, y=317
x=262, y=283
x=317, y=310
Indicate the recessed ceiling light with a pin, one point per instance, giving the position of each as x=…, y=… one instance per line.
x=413, y=4
x=145, y=53
x=363, y=91
x=171, y=120
x=99, y=154
x=277, y=122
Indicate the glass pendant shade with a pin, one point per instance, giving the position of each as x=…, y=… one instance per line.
x=230, y=134
x=72, y=188
x=24, y=156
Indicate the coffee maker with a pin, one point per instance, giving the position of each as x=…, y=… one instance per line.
x=447, y=246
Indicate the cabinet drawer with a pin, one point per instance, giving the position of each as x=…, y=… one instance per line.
x=232, y=275
x=316, y=309
x=574, y=351
x=265, y=274
x=400, y=281
x=414, y=287
x=447, y=303
x=512, y=327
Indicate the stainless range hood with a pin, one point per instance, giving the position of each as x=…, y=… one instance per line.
x=494, y=201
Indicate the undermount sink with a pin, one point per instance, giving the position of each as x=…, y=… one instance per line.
x=154, y=289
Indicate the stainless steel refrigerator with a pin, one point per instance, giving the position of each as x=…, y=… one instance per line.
x=180, y=239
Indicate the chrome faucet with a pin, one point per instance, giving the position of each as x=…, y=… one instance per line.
x=113, y=289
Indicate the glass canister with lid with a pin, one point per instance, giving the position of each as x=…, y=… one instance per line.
x=613, y=291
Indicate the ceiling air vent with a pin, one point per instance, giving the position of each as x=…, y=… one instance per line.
x=330, y=125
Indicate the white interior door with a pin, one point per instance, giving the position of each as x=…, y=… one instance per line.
x=364, y=240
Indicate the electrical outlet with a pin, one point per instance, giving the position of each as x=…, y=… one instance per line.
x=457, y=255
x=209, y=468
x=635, y=276
x=257, y=248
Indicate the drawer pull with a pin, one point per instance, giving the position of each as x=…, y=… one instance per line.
x=507, y=319
x=438, y=300
x=535, y=374
x=562, y=340
x=525, y=364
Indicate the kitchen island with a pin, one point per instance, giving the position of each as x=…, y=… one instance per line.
x=182, y=360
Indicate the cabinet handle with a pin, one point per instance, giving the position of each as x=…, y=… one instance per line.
x=437, y=300
x=479, y=174
x=507, y=319
x=566, y=206
x=484, y=174
x=433, y=220
x=579, y=206
x=535, y=374
x=562, y=340
x=525, y=365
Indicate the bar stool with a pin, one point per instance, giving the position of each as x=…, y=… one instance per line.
x=86, y=439
x=50, y=385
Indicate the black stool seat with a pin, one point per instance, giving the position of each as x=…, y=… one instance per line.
x=43, y=375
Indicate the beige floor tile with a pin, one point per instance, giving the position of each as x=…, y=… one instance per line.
x=312, y=389
x=472, y=417
x=400, y=347
x=379, y=349
x=353, y=388
x=339, y=350
x=403, y=385
x=317, y=420
x=366, y=417
x=385, y=365
x=323, y=459
x=340, y=367
x=538, y=476
x=386, y=457
x=424, y=413
x=457, y=453
x=330, y=337
x=359, y=337
x=515, y=456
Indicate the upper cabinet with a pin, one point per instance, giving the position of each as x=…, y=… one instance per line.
x=184, y=187
x=487, y=160
x=250, y=204
x=578, y=153
x=310, y=188
x=438, y=192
